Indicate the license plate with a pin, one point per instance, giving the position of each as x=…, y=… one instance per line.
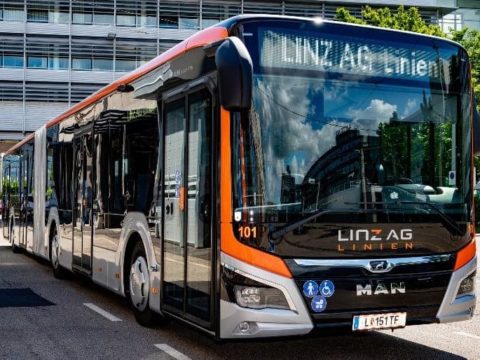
x=379, y=321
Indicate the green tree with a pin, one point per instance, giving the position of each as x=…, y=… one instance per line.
x=470, y=40
x=402, y=19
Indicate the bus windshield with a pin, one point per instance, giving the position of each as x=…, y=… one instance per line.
x=356, y=129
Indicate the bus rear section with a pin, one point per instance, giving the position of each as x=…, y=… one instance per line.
x=351, y=176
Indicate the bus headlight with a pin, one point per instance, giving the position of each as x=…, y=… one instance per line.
x=260, y=297
x=467, y=285
x=249, y=293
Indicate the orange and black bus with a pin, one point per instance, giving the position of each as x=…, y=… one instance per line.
x=265, y=177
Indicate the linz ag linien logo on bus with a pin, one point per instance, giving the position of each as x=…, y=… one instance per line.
x=381, y=289
x=374, y=239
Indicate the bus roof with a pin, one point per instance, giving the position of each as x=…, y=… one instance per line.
x=231, y=22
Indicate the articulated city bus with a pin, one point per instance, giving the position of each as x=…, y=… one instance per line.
x=265, y=177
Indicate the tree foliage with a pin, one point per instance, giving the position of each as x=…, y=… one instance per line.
x=470, y=39
x=402, y=19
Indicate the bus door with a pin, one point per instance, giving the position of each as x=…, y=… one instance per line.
x=82, y=203
x=187, y=187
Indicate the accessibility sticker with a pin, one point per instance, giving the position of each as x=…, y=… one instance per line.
x=319, y=303
x=310, y=288
x=326, y=288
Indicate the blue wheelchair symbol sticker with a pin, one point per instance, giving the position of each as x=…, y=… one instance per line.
x=310, y=288
x=327, y=288
x=319, y=303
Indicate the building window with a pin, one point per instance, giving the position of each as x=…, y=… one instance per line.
x=188, y=23
x=13, y=14
x=58, y=63
x=103, y=19
x=146, y=21
x=125, y=65
x=81, y=64
x=103, y=64
x=58, y=17
x=13, y=61
x=209, y=22
x=451, y=22
x=179, y=15
x=37, y=62
x=35, y=15
x=82, y=18
x=168, y=22
x=125, y=20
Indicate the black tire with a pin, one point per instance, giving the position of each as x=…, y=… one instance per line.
x=58, y=271
x=137, y=289
x=15, y=248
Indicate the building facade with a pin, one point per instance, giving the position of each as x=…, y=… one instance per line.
x=54, y=53
x=466, y=15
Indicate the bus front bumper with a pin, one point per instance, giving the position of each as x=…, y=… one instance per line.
x=458, y=308
x=241, y=322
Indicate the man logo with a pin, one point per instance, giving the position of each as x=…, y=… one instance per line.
x=379, y=266
x=381, y=289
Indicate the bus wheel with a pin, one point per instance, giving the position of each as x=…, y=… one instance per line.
x=139, y=288
x=58, y=271
x=11, y=238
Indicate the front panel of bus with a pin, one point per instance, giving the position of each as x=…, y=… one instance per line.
x=354, y=167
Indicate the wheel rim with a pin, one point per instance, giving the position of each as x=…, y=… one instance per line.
x=55, y=252
x=139, y=283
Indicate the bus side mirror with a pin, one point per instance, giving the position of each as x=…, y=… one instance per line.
x=235, y=70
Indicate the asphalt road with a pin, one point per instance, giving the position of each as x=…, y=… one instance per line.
x=63, y=327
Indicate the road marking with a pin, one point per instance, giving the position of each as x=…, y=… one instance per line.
x=467, y=335
x=102, y=312
x=172, y=352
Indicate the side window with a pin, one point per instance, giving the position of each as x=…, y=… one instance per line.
x=199, y=180
x=50, y=179
x=133, y=150
x=125, y=151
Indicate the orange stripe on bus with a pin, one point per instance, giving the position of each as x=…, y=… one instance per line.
x=229, y=244
x=199, y=39
x=465, y=255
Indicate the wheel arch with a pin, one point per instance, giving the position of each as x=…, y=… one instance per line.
x=135, y=230
x=131, y=242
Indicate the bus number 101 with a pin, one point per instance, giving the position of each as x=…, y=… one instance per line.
x=247, y=232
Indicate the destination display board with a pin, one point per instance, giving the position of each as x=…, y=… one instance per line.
x=299, y=50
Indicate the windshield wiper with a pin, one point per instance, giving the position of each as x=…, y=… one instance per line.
x=449, y=223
